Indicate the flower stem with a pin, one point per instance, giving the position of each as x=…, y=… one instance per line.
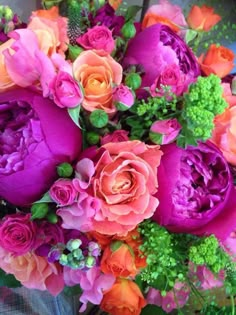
x=232, y=304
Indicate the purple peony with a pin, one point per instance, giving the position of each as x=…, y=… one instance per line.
x=35, y=136
x=196, y=191
x=158, y=47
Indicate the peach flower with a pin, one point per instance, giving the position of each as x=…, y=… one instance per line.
x=6, y=82
x=97, y=74
x=202, y=18
x=224, y=134
x=51, y=30
x=125, y=181
x=165, y=13
x=227, y=94
x=124, y=298
x=34, y=272
x=218, y=60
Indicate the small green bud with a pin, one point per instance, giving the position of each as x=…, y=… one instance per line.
x=128, y=30
x=6, y=12
x=63, y=260
x=133, y=80
x=92, y=137
x=52, y=217
x=64, y=170
x=74, y=52
x=90, y=261
x=98, y=118
x=78, y=254
x=39, y=210
x=73, y=244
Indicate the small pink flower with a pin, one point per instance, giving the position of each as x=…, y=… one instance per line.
x=175, y=298
x=207, y=280
x=116, y=136
x=84, y=171
x=79, y=215
x=164, y=131
x=65, y=91
x=123, y=97
x=99, y=38
x=17, y=233
x=230, y=244
x=171, y=77
x=92, y=282
x=63, y=192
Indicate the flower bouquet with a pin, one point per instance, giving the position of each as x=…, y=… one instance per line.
x=118, y=155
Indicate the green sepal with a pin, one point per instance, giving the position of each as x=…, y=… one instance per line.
x=39, y=210
x=190, y=35
x=99, y=118
x=155, y=137
x=75, y=114
x=8, y=280
x=115, y=245
x=74, y=52
x=45, y=199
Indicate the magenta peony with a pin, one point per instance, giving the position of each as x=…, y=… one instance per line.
x=35, y=136
x=195, y=191
x=162, y=48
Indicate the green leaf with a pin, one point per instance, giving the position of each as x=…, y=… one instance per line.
x=8, y=280
x=98, y=118
x=75, y=114
x=132, y=12
x=152, y=310
x=155, y=137
x=45, y=199
x=190, y=35
x=116, y=245
x=70, y=291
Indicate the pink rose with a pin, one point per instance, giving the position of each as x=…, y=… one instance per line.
x=123, y=97
x=63, y=192
x=17, y=233
x=125, y=181
x=164, y=131
x=116, y=136
x=175, y=298
x=171, y=77
x=48, y=234
x=34, y=272
x=99, y=38
x=65, y=91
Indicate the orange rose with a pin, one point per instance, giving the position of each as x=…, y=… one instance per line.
x=115, y=3
x=218, y=60
x=124, y=298
x=202, y=18
x=224, y=134
x=151, y=19
x=51, y=30
x=97, y=74
x=119, y=260
x=6, y=82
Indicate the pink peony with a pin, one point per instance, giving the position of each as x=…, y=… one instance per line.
x=65, y=91
x=63, y=192
x=176, y=298
x=164, y=131
x=36, y=137
x=98, y=38
x=92, y=282
x=124, y=182
x=116, y=136
x=17, y=233
x=34, y=272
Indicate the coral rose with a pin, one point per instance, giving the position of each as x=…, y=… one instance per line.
x=51, y=30
x=224, y=134
x=124, y=298
x=34, y=272
x=164, y=13
x=125, y=181
x=6, y=82
x=218, y=60
x=202, y=18
x=118, y=259
x=97, y=74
